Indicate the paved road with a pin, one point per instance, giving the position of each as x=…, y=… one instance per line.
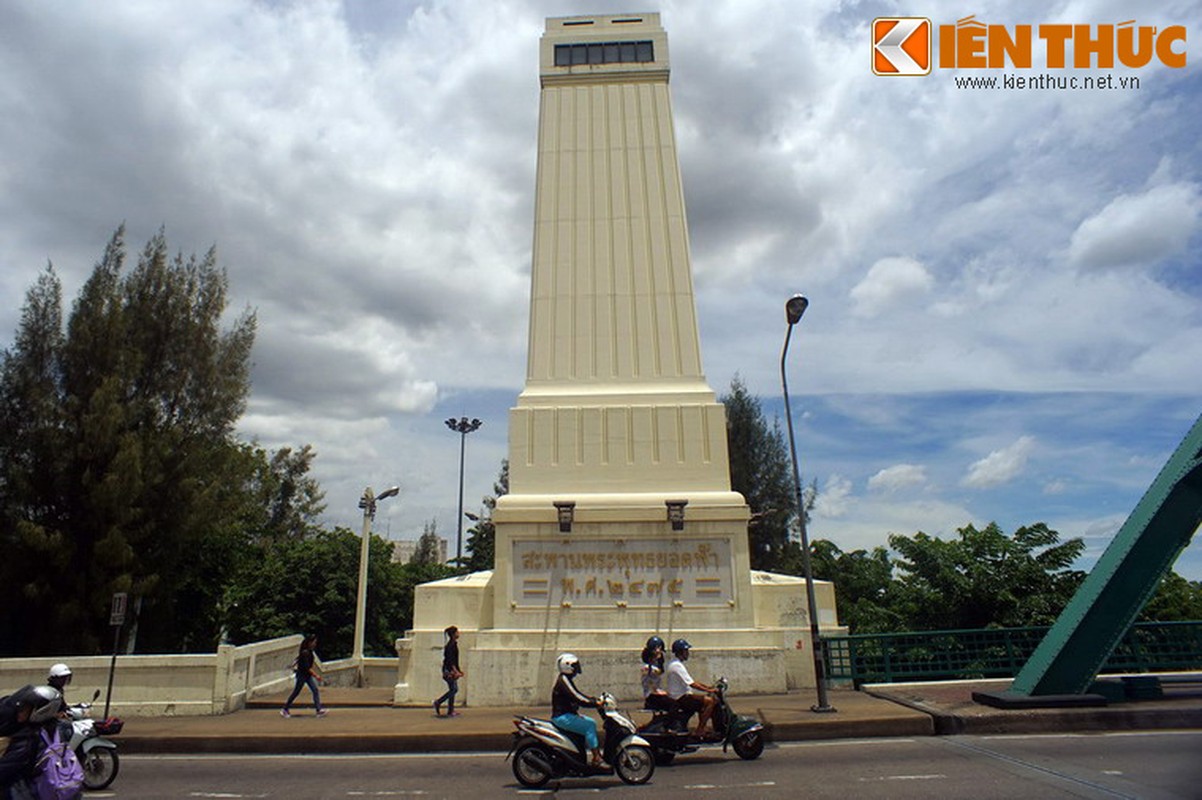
x=1149, y=765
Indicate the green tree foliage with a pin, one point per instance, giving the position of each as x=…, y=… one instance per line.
x=865, y=589
x=481, y=541
x=118, y=466
x=309, y=585
x=760, y=470
x=984, y=578
x=1176, y=600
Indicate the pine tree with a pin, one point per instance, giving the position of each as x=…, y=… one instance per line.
x=761, y=471
x=120, y=467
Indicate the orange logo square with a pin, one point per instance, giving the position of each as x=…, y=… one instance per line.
x=901, y=46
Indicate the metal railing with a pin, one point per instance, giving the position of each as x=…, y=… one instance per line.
x=997, y=653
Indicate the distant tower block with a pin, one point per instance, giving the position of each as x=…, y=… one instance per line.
x=615, y=398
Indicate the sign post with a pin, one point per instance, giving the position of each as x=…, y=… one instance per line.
x=116, y=619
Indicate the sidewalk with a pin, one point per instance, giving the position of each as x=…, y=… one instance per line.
x=362, y=721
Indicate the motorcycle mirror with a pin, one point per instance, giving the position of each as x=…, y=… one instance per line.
x=96, y=696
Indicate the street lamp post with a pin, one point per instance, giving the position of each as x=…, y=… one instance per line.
x=368, y=503
x=794, y=308
x=463, y=426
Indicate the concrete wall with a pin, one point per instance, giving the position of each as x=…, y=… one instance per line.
x=189, y=685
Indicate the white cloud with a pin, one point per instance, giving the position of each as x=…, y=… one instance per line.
x=1000, y=466
x=898, y=477
x=890, y=282
x=834, y=499
x=367, y=173
x=1138, y=229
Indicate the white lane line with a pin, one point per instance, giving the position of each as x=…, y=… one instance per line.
x=842, y=743
x=499, y=755
x=1170, y=732
x=754, y=785
x=932, y=777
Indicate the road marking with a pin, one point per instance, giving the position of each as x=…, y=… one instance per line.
x=842, y=743
x=1090, y=735
x=499, y=755
x=931, y=777
x=223, y=795
x=1064, y=776
x=754, y=785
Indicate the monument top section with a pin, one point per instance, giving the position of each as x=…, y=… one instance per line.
x=597, y=47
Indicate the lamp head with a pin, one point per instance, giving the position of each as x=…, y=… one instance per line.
x=795, y=306
x=390, y=492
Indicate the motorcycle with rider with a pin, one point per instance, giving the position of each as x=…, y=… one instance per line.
x=668, y=731
x=567, y=745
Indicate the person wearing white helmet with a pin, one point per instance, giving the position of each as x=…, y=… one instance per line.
x=566, y=701
x=60, y=678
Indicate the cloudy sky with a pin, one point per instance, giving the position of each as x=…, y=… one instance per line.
x=1004, y=324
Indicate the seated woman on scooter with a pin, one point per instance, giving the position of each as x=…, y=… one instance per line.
x=654, y=697
x=566, y=701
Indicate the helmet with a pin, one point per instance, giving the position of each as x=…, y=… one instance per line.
x=680, y=649
x=568, y=664
x=46, y=702
x=655, y=642
x=60, y=675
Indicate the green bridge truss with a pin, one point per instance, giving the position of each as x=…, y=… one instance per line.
x=1125, y=577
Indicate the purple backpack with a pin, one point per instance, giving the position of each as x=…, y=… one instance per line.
x=60, y=775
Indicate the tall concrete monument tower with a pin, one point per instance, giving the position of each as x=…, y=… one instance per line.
x=620, y=521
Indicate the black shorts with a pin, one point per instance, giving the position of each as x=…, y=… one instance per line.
x=690, y=703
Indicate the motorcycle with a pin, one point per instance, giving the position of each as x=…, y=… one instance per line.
x=97, y=754
x=668, y=732
x=541, y=751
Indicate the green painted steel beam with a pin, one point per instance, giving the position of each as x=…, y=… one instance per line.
x=1125, y=577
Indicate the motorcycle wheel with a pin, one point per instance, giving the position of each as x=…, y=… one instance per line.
x=635, y=764
x=532, y=766
x=750, y=745
x=664, y=757
x=100, y=765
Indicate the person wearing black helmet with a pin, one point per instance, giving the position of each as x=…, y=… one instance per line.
x=566, y=701
x=681, y=686
x=654, y=697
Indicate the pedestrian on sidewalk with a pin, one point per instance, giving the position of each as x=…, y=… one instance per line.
x=451, y=673
x=308, y=673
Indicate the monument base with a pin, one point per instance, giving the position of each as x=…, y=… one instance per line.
x=516, y=666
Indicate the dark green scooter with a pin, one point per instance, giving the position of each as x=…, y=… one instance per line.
x=668, y=732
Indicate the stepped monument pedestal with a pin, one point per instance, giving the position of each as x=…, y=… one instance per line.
x=620, y=522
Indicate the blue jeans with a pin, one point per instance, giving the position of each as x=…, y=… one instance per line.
x=448, y=697
x=304, y=680
x=576, y=723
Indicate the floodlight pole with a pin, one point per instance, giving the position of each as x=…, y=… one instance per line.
x=794, y=308
x=463, y=426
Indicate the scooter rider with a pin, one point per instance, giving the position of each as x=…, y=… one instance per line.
x=654, y=697
x=566, y=701
x=681, y=684
x=60, y=678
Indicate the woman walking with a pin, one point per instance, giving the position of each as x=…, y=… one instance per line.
x=307, y=674
x=451, y=673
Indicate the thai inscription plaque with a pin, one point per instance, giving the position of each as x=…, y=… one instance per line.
x=636, y=573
